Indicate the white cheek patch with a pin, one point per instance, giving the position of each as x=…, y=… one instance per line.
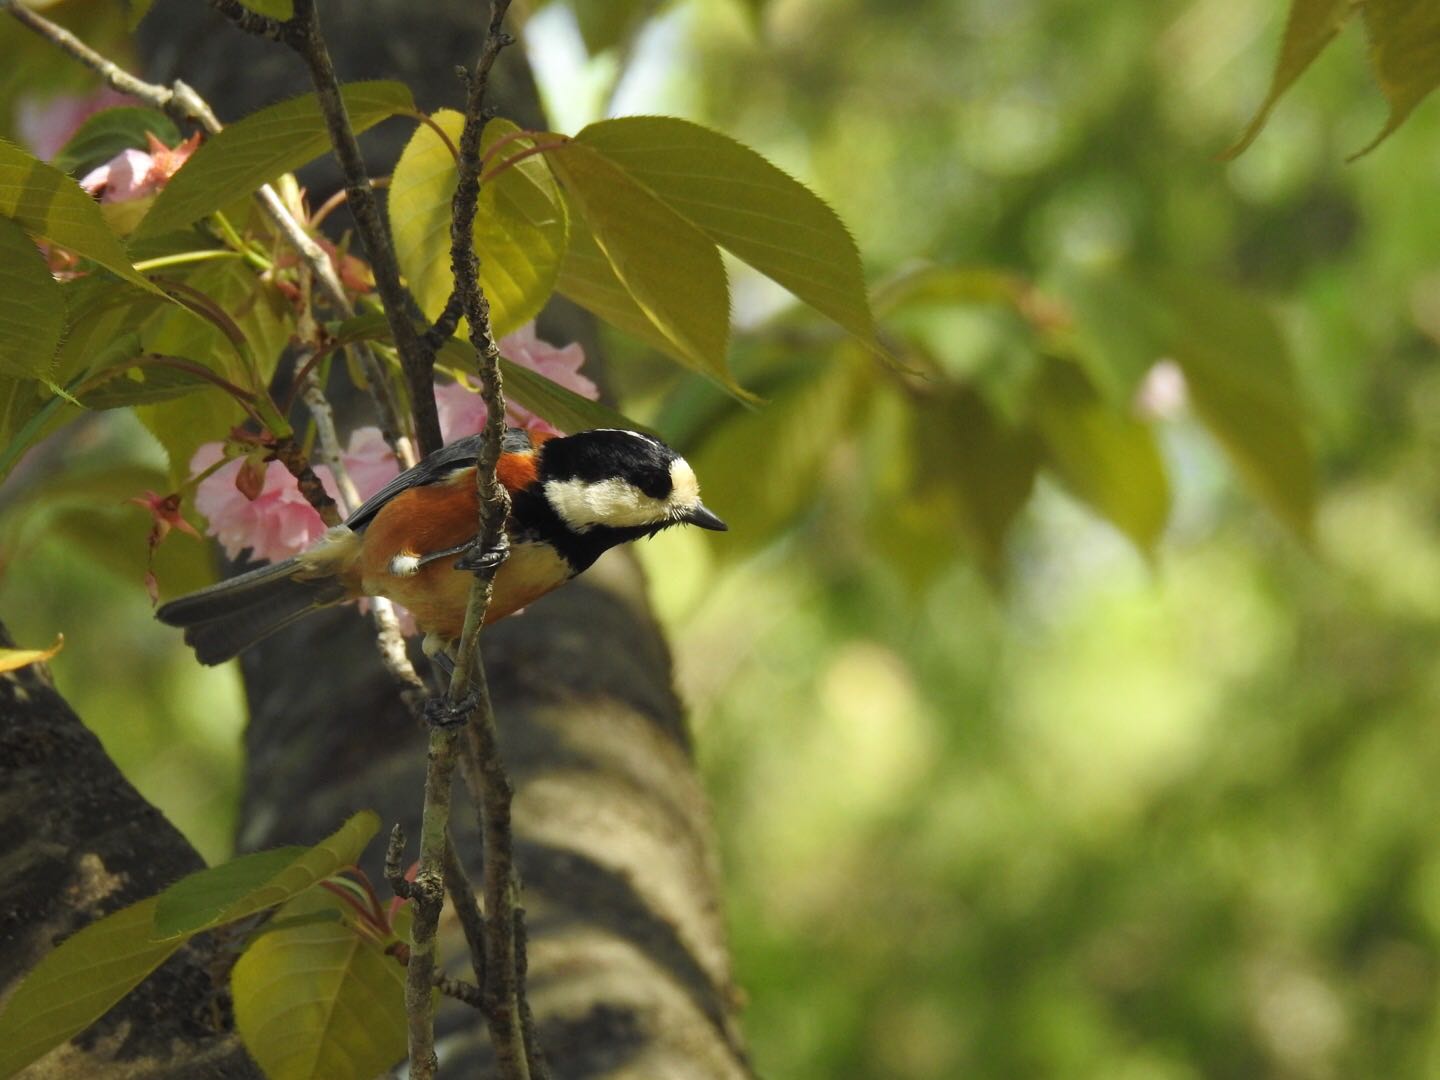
x=685, y=489
x=583, y=504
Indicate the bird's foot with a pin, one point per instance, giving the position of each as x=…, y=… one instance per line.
x=485, y=560
x=440, y=713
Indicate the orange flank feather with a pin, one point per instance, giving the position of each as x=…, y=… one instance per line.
x=436, y=517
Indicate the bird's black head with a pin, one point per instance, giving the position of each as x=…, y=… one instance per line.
x=610, y=478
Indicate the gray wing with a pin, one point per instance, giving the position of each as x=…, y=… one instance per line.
x=460, y=454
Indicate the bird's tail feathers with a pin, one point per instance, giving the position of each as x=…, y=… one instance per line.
x=224, y=619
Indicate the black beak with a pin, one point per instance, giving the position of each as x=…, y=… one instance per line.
x=704, y=518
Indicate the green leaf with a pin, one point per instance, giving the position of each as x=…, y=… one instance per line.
x=748, y=206
x=988, y=465
x=252, y=883
x=138, y=10
x=605, y=24
x=587, y=278
x=670, y=269
x=790, y=442
x=261, y=147
x=929, y=285
x=1312, y=25
x=144, y=383
x=32, y=306
x=520, y=224
x=111, y=131
x=1109, y=460
x=1242, y=385
x=319, y=1000
x=283, y=10
x=43, y=201
x=77, y=983
x=1405, y=53
x=196, y=900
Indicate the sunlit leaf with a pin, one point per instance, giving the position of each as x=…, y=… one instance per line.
x=319, y=1000
x=111, y=131
x=77, y=983
x=32, y=306
x=748, y=206
x=671, y=270
x=1405, y=53
x=1107, y=458
x=587, y=278
x=15, y=659
x=520, y=224
x=43, y=201
x=259, y=148
x=1312, y=25
x=252, y=883
x=1242, y=384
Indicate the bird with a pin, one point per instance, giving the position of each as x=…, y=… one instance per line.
x=572, y=498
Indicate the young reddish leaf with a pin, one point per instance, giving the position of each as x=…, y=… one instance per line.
x=1312, y=25
x=32, y=307
x=1405, y=52
x=748, y=206
x=43, y=201
x=261, y=147
x=1106, y=458
x=76, y=984
x=671, y=270
x=520, y=225
x=319, y=1000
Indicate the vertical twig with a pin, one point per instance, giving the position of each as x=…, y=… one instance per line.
x=503, y=990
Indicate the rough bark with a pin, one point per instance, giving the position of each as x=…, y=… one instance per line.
x=76, y=843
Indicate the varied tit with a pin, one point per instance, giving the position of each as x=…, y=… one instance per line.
x=572, y=498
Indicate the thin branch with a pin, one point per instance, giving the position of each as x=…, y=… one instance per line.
x=467, y=908
x=483, y=765
x=388, y=639
x=303, y=34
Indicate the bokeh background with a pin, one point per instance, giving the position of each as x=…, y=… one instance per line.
x=1056, y=807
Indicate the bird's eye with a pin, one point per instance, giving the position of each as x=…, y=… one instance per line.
x=655, y=484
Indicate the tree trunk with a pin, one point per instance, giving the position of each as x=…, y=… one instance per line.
x=76, y=843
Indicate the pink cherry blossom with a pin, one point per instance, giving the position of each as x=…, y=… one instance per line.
x=277, y=524
x=133, y=174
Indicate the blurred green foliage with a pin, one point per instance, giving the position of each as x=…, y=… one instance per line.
x=999, y=795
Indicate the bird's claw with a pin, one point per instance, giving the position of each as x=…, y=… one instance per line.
x=440, y=713
x=485, y=560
